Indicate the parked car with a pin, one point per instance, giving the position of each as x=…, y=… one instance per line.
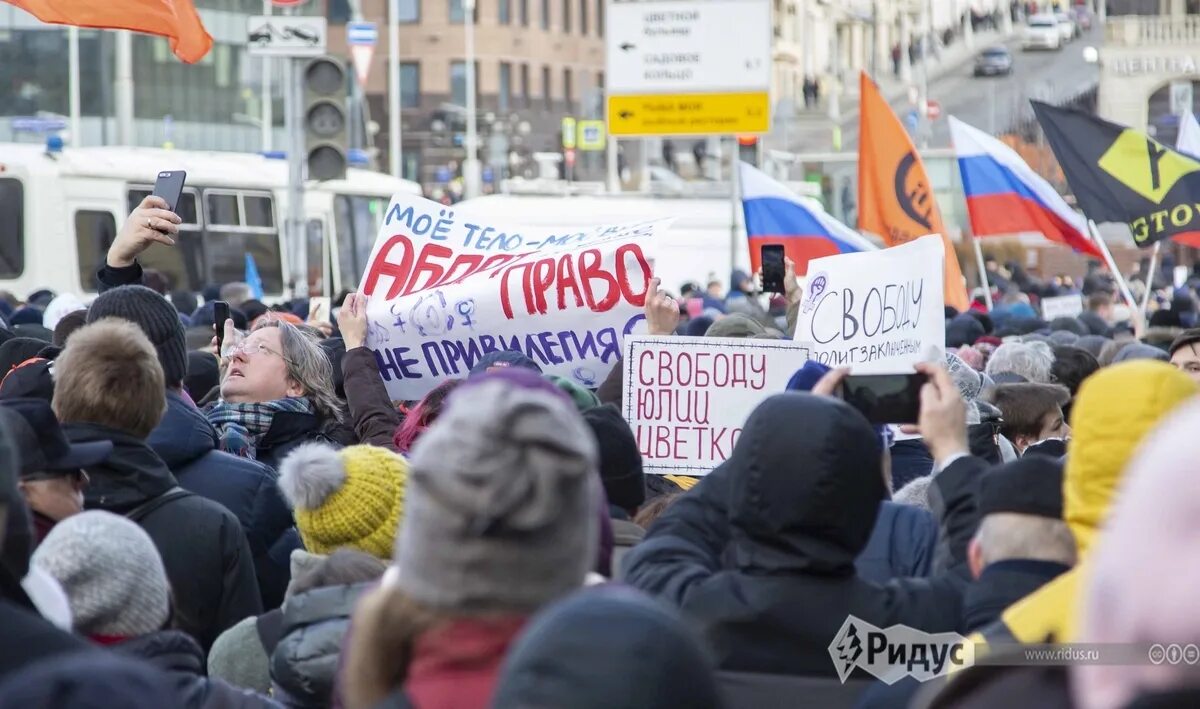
x=1042, y=33
x=1066, y=26
x=994, y=61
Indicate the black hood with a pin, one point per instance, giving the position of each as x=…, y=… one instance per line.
x=132, y=474
x=184, y=434
x=657, y=662
x=169, y=650
x=805, y=486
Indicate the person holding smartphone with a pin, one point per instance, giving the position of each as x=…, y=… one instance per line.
x=151, y=222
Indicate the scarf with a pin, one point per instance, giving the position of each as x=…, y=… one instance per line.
x=241, y=427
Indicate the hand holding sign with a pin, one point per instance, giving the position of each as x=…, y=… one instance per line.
x=352, y=321
x=662, y=312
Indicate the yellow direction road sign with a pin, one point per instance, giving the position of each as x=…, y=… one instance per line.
x=689, y=114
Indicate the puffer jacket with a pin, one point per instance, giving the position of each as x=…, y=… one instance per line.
x=794, y=511
x=305, y=661
x=176, y=654
x=1115, y=409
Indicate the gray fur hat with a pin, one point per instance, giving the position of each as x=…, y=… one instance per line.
x=502, y=502
x=111, y=572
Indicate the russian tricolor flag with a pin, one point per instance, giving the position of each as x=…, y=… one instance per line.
x=1005, y=196
x=776, y=215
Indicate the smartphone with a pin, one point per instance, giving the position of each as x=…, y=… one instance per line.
x=885, y=398
x=220, y=315
x=772, y=268
x=318, y=309
x=169, y=186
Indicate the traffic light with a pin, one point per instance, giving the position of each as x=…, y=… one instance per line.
x=326, y=128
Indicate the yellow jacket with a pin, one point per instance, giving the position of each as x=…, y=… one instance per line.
x=1114, y=410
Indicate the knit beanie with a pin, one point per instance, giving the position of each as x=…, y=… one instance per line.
x=581, y=396
x=353, y=497
x=111, y=572
x=156, y=317
x=502, y=500
x=620, y=460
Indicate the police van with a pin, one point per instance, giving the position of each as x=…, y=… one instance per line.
x=61, y=209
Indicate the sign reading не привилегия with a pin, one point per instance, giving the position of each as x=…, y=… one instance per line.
x=446, y=289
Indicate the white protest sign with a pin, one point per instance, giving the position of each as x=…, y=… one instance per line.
x=686, y=398
x=878, y=312
x=1063, y=306
x=443, y=292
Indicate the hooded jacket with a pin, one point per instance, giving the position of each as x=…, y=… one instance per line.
x=187, y=443
x=290, y=429
x=305, y=662
x=794, y=512
x=182, y=660
x=1115, y=409
x=902, y=544
x=204, y=550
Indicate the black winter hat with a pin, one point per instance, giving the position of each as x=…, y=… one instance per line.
x=157, y=318
x=620, y=460
x=963, y=330
x=203, y=374
x=1030, y=486
x=16, y=351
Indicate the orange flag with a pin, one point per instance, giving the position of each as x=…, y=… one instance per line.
x=895, y=198
x=174, y=19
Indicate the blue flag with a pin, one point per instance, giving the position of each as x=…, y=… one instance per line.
x=252, y=278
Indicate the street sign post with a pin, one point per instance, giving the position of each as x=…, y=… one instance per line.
x=674, y=69
x=362, y=36
x=285, y=36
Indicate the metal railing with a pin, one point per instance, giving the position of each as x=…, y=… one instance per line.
x=1148, y=30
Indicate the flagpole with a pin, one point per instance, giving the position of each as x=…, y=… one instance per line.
x=1112, y=266
x=983, y=279
x=735, y=204
x=1150, y=278
x=73, y=85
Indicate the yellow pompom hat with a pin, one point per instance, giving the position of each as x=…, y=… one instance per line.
x=353, y=497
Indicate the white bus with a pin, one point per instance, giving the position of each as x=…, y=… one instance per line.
x=59, y=212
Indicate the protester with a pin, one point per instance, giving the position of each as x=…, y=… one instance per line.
x=312, y=625
x=110, y=388
x=794, y=512
x=52, y=480
x=120, y=598
x=743, y=299
x=276, y=394
x=1113, y=413
x=1184, y=355
x=421, y=417
x=500, y=521
x=555, y=661
x=87, y=680
x=1142, y=576
x=350, y=498
x=1022, y=541
x=187, y=443
x=621, y=475
x=1020, y=362
x=736, y=325
x=1031, y=413
x=236, y=294
x=1071, y=366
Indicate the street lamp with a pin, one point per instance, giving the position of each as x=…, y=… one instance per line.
x=471, y=163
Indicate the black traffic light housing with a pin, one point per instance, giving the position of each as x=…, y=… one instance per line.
x=326, y=126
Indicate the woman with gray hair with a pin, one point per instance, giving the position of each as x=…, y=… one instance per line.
x=276, y=393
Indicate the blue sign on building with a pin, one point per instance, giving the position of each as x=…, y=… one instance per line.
x=364, y=34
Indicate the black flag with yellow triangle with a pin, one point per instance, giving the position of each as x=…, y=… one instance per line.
x=1119, y=174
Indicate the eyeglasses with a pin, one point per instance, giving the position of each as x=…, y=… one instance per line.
x=253, y=348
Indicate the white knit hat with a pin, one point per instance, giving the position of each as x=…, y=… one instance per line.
x=112, y=574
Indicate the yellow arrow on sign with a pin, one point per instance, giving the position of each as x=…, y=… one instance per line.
x=689, y=114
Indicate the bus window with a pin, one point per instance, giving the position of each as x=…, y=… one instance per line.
x=94, y=233
x=315, y=239
x=259, y=211
x=222, y=209
x=12, y=227
x=186, y=209
x=357, y=220
x=227, y=261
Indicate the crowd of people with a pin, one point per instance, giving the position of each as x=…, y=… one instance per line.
x=250, y=520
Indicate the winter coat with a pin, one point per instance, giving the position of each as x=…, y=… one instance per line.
x=182, y=659
x=626, y=536
x=457, y=665
x=203, y=547
x=1002, y=584
x=795, y=511
x=371, y=413
x=290, y=429
x=187, y=443
x=1113, y=412
x=27, y=637
x=305, y=662
x=901, y=544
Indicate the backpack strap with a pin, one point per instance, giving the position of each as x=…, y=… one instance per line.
x=137, y=514
x=270, y=629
